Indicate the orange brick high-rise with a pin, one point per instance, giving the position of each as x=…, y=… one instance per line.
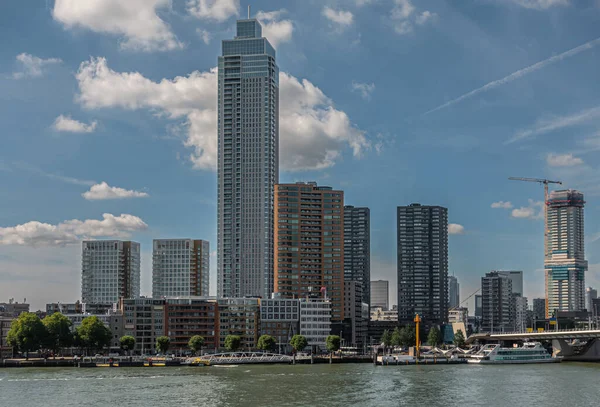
x=309, y=243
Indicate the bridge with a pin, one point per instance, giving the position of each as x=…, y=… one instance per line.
x=238, y=358
x=572, y=344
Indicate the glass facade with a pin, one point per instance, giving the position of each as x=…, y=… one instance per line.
x=248, y=163
x=110, y=270
x=357, y=248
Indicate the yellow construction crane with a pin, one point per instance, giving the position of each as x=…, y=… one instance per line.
x=546, y=231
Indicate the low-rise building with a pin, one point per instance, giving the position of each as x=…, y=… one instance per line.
x=112, y=320
x=380, y=314
x=79, y=308
x=280, y=318
x=315, y=321
x=5, y=349
x=239, y=316
x=12, y=308
x=187, y=317
x=458, y=315
x=144, y=320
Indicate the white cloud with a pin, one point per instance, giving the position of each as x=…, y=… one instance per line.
x=36, y=233
x=103, y=191
x=218, y=10
x=549, y=125
x=274, y=28
x=425, y=17
x=535, y=211
x=341, y=18
x=32, y=66
x=66, y=123
x=541, y=4
x=518, y=74
x=502, y=205
x=136, y=20
x=403, y=16
x=456, y=229
x=313, y=133
x=365, y=89
x=360, y=3
x=204, y=35
x=563, y=160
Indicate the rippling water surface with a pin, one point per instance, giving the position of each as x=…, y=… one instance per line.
x=565, y=384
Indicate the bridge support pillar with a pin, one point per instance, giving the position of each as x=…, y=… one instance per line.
x=590, y=352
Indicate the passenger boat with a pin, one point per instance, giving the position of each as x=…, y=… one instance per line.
x=530, y=352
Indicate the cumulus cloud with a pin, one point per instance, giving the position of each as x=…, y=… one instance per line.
x=136, y=20
x=534, y=211
x=502, y=205
x=404, y=15
x=563, y=160
x=541, y=4
x=364, y=89
x=217, y=10
x=32, y=66
x=274, y=28
x=456, y=229
x=36, y=233
x=313, y=133
x=103, y=191
x=340, y=18
x=66, y=123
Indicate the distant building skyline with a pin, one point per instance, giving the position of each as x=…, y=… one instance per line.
x=453, y=292
x=380, y=294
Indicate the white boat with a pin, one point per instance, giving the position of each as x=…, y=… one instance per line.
x=530, y=352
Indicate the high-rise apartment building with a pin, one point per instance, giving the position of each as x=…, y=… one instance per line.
x=180, y=268
x=516, y=277
x=357, y=248
x=309, y=236
x=521, y=308
x=380, y=294
x=110, y=270
x=422, y=263
x=590, y=295
x=497, y=303
x=248, y=162
x=539, y=308
x=353, y=310
x=565, y=263
x=453, y=292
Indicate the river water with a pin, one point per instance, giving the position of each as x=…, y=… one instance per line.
x=565, y=384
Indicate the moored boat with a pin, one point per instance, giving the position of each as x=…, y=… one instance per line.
x=530, y=352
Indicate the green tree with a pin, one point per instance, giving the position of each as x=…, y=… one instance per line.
x=163, y=343
x=127, y=342
x=93, y=334
x=459, y=339
x=298, y=342
x=233, y=342
x=396, y=337
x=27, y=333
x=266, y=342
x=333, y=345
x=386, y=339
x=196, y=343
x=58, y=328
x=405, y=337
x=435, y=336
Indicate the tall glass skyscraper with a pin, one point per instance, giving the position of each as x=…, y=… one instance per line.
x=357, y=248
x=565, y=262
x=248, y=130
x=422, y=263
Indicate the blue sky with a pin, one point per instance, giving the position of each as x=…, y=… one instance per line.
x=108, y=127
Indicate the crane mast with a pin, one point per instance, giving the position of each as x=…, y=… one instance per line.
x=545, y=182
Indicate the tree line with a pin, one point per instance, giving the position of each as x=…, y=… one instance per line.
x=406, y=336
x=28, y=333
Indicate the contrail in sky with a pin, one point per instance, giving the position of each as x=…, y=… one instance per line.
x=519, y=74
